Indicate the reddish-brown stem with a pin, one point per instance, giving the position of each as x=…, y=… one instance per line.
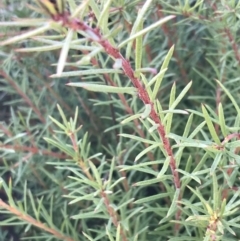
x=94, y=35
x=129, y=111
x=129, y=72
x=34, y=222
x=103, y=194
x=112, y=214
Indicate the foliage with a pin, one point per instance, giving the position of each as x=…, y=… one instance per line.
x=119, y=120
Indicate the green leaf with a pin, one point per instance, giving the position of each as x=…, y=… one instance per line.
x=77, y=10
x=96, y=173
x=60, y=146
x=132, y=213
x=124, y=204
x=86, y=181
x=36, y=212
x=188, y=126
x=148, y=149
x=132, y=167
x=197, y=3
x=230, y=97
x=152, y=181
x=75, y=118
x=26, y=35
x=40, y=48
x=210, y=125
x=183, y=238
x=104, y=14
x=199, y=195
x=164, y=167
x=109, y=235
x=184, y=112
x=137, y=25
x=222, y=120
x=216, y=162
x=130, y=118
x=78, y=199
x=174, y=204
x=87, y=236
x=159, y=77
x=104, y=88
x=169, y=116
x=207, y=237
x=146, y=30
x=110, y=175
x=137, y=138
x=160, y=109
x=196, y=169
x=145, y=83
x=87, y=72
x=189, y=175
x=192, y=206
x=95, y=8
x=139, y=50
x=151, y=198
x=58, y=123
x=147, y=111
x=226, y=226
x=62, y=115
x=182, y=141
x=174, y=103
x=23, y=23
x=234, y=223
x=197, y=129
x=216, y=194
x=215, y=68
x=118, y=235
x=115, y=183
x=232, y=201
x=156, y=77
x=89, y=215
x=64, y=52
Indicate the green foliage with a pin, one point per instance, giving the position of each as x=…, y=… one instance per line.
x=119, y=120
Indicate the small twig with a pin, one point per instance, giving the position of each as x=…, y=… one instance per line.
x=112, y=213
x=34, y=222
x=34, y=150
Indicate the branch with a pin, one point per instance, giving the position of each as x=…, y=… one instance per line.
x=77, y=25
x=34, y=222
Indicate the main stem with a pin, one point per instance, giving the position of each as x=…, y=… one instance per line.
x=95, y=35
x=142, y=93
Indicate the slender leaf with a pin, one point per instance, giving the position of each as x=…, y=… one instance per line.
x=210, y=125
x=173, y=206
x=151, y=198
x=104, y=88
x=159, y=77
x=146, y=30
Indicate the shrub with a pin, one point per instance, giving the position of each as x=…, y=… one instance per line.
x=120, y=120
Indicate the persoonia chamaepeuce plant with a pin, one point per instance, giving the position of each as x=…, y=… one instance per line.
x=162, y=165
